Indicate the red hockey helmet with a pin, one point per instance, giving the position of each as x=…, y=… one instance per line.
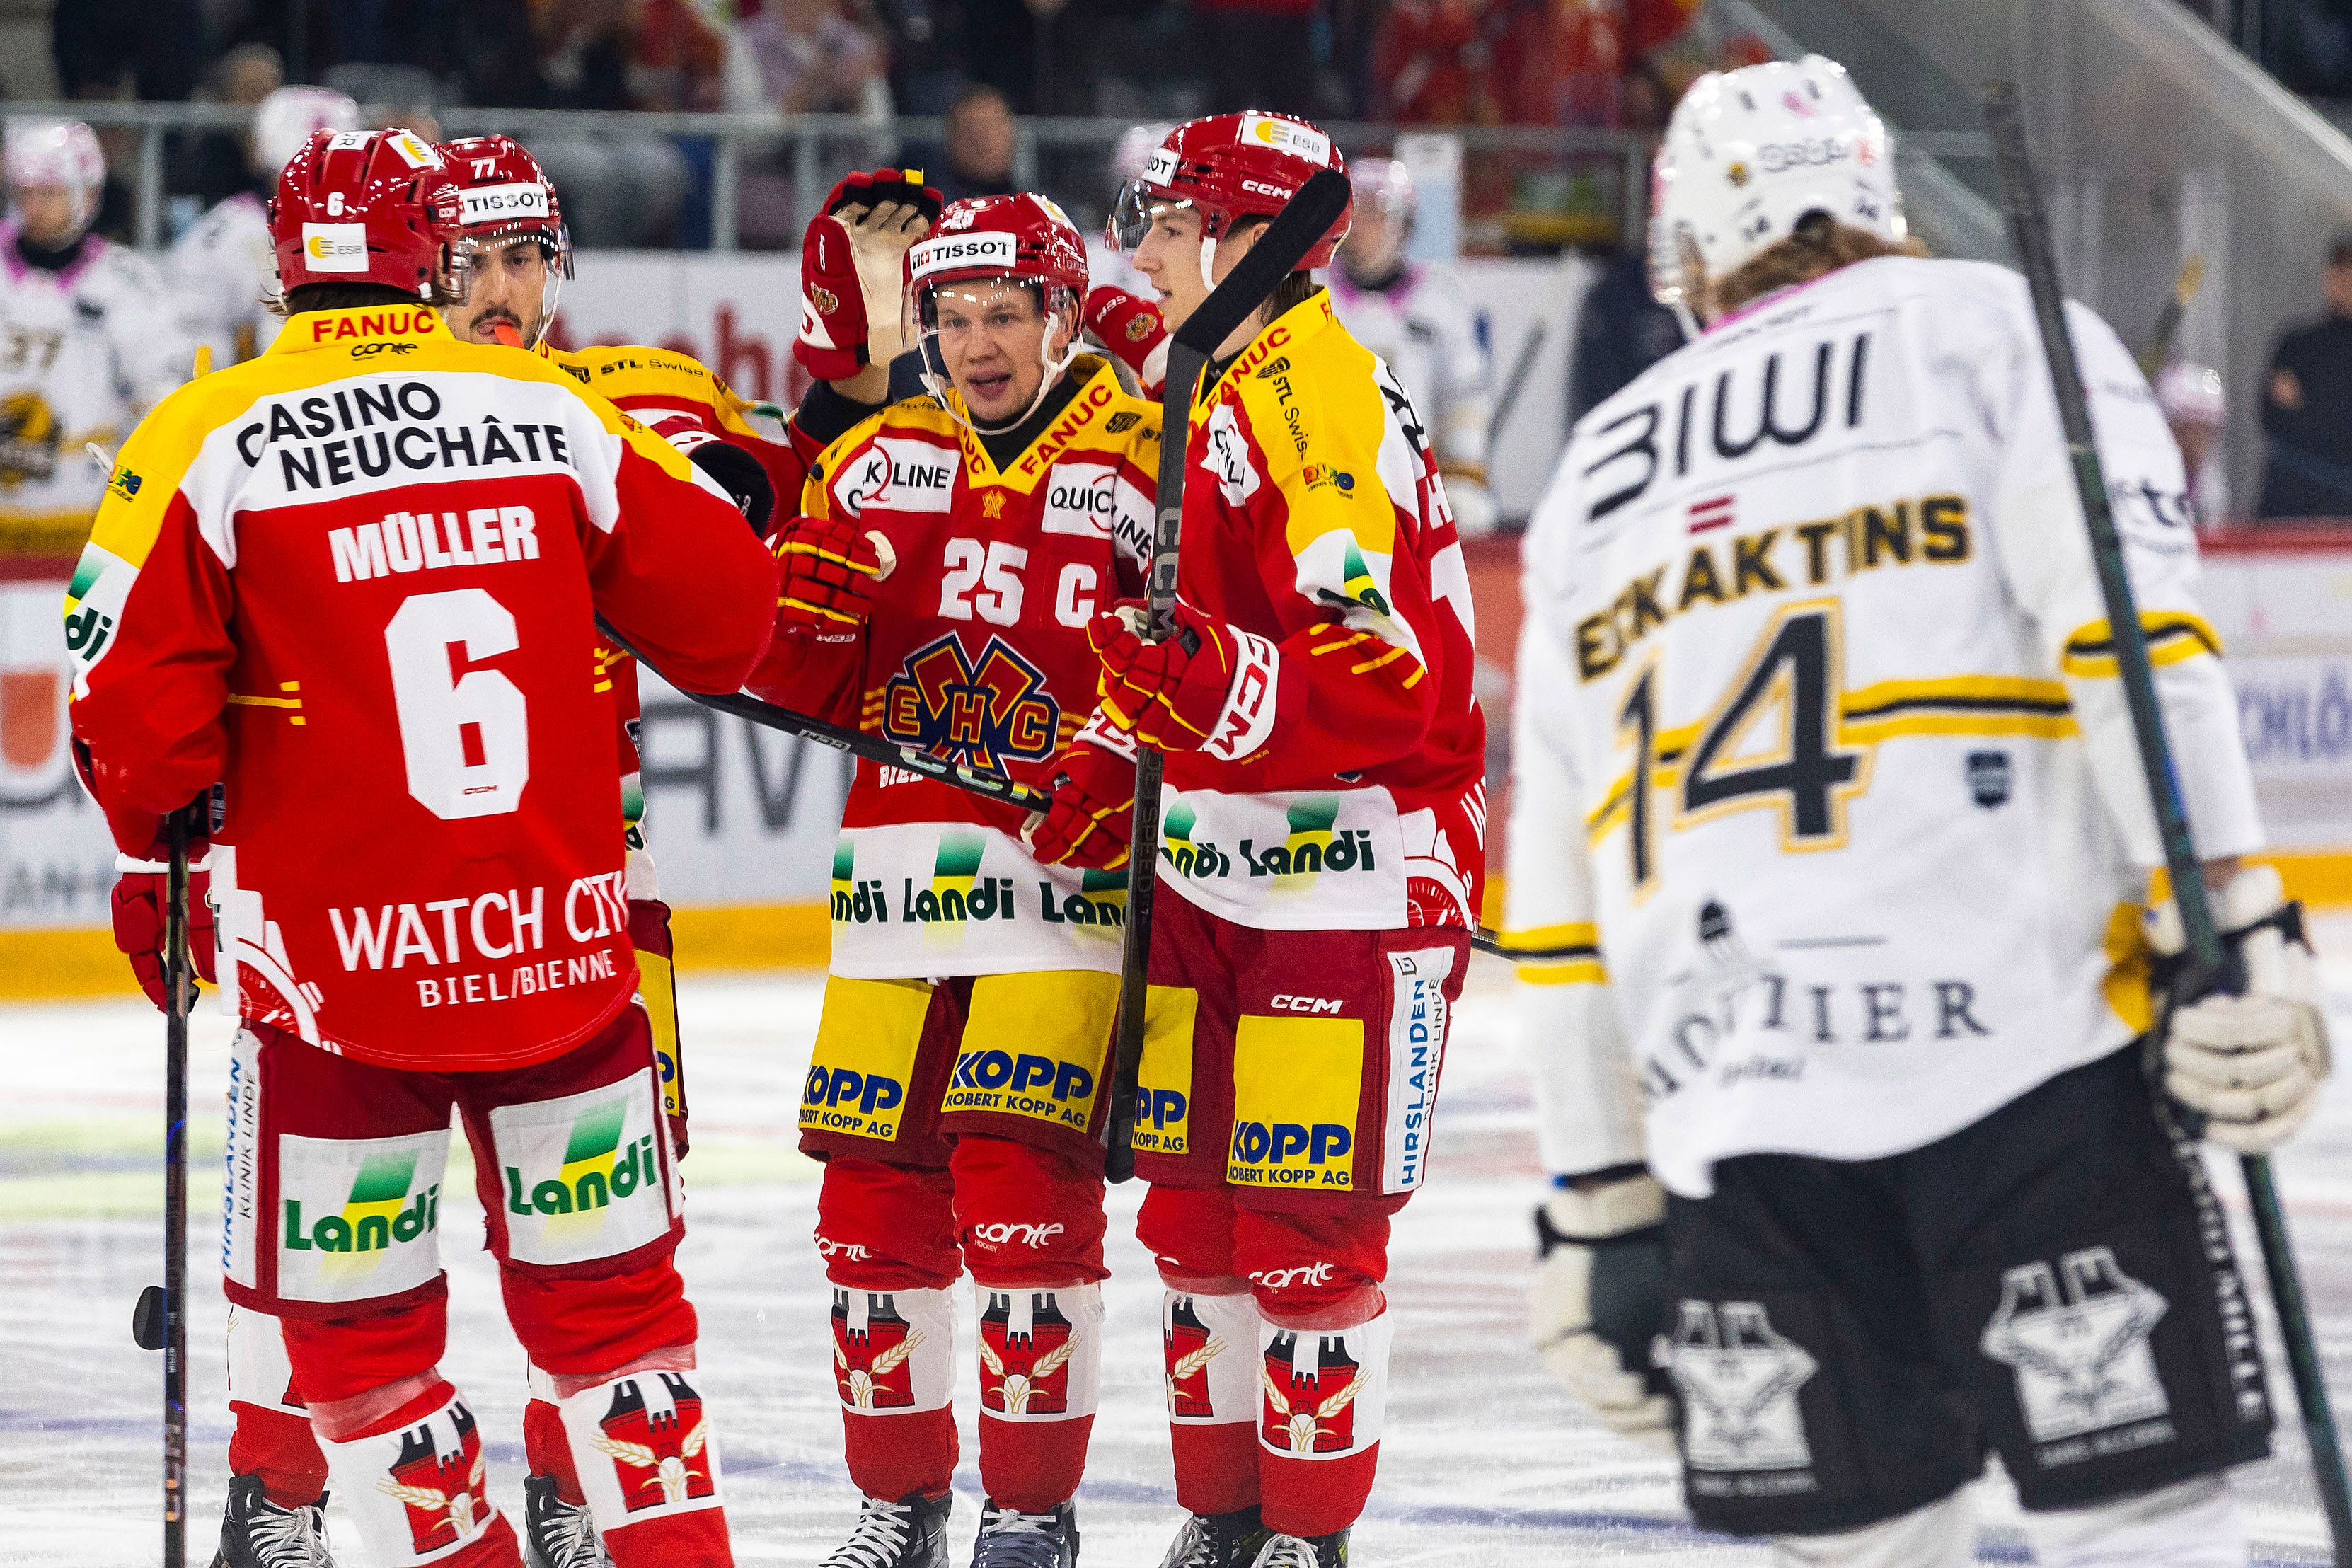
x=365, y=206
x=1024, y=240
x=508, y=197
x=1229, y=167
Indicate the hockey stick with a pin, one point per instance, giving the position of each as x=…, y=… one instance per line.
x=2030, y=229
x=160, y=1321
x=857, y=742
x=1516, y=382
x=1303, y=221
x=2166, y=331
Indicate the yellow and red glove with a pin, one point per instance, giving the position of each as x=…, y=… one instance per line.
x=1130, y=329
x=830, y=570
x=139, y=897
x=1174, y=694
x=1091, y=819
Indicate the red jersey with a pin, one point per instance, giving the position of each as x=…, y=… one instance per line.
x=976, y=652
x=356, y=579
x=1346, y=789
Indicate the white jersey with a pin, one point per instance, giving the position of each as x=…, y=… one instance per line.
x=1425, y=327
x=225, y=269
x=84, y=352
x=1820, y=684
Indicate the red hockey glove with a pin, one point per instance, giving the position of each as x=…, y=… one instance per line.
x=140, y=893
x=1091, y=818
x=871, y=218
x=1210, y=686
x=1128, y=327
x=657, y=983
x=830, y=570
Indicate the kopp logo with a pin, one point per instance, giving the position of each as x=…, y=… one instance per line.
x=1280, y=1143
x=832, y=1088
x=1165, y=1107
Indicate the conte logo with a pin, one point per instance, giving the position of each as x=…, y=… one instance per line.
x=983, y=712
x=379, y=1212
x=659, y=1442
x=595, y=1170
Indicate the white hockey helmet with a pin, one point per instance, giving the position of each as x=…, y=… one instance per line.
x=1384, y=186
x=288, y=119
x=1750, y=153
x=59, y=153
x=2191, y=394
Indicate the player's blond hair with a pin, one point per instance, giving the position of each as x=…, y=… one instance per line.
x=1820, y=245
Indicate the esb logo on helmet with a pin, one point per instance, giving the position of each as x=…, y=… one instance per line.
x=335, y=247
x=1286, y=136
x=996, y=251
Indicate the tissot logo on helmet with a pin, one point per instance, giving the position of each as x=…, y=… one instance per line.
x=963, y=250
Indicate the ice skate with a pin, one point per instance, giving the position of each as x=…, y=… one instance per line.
x=1304, y=1551
x=559, y=1534
x=1010, y=1538
x=258, y=1533
x=909, y=1533
x=1218, y=1541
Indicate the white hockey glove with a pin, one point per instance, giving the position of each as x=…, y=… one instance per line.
x=2253, y=1062
x=1475, y=512
x=1600, y=1298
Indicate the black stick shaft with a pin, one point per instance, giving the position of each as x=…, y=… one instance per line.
x=1295, y=231
x=2030, y=229
x=177, y=987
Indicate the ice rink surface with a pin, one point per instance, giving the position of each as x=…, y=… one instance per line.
x=1485, y=1460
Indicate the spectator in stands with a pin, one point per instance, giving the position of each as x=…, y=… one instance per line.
x=127, y=48
x=2308, y=405
x=1260, y=54
x=979, y=146
x=213, y=163
x=814, y=59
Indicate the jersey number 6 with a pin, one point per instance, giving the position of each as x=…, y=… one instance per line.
x=466, y=742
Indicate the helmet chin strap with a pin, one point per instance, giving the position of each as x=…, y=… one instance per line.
x=937, y=381
x=1208, y=257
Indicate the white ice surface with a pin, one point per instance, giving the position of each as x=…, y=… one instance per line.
x=1485, y=1460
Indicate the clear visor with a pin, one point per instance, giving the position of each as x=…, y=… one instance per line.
x=515, y=278
x=987, y=324
x=75, y=206
x=1131, y=214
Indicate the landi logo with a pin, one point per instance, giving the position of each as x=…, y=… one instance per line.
x=378, y=1212
x=595, y=1170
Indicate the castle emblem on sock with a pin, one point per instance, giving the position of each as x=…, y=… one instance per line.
x=870, y=1349
x=659, y=1440
x=1310, y=1396
x=1190, y=1348
x=1026, y=1345
x=438, y=1479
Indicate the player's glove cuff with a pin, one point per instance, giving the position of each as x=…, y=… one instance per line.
x=832, y=344
x=1211, y=687
x=1129, y=330
x=734, y=470
x=1598, y=1301
x=2251, y=1062
x=1091, y=818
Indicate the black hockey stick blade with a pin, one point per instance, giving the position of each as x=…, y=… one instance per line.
x=857, y=742
x=1295, y=230
x=2029, y=228
x=147, y=1320
x=2157, y=349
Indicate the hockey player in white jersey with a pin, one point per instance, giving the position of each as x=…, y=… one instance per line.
x=1419, y=319
x=88, y=341
x=223, y=267
x=1829, y=818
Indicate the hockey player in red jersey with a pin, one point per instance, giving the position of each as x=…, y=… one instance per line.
x=953, y=548
x=1321, y=848
x=516, y=253
x=422, y=901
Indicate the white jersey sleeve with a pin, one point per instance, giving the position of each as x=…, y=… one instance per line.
x=153, y=350
x=1864, y=825
x=222, y=271
x=1588, y=1105
x=2045, y=557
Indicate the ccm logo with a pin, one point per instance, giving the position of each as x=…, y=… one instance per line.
x=1006, y=1233
x=1290, y=1004
x=1288, y=1279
